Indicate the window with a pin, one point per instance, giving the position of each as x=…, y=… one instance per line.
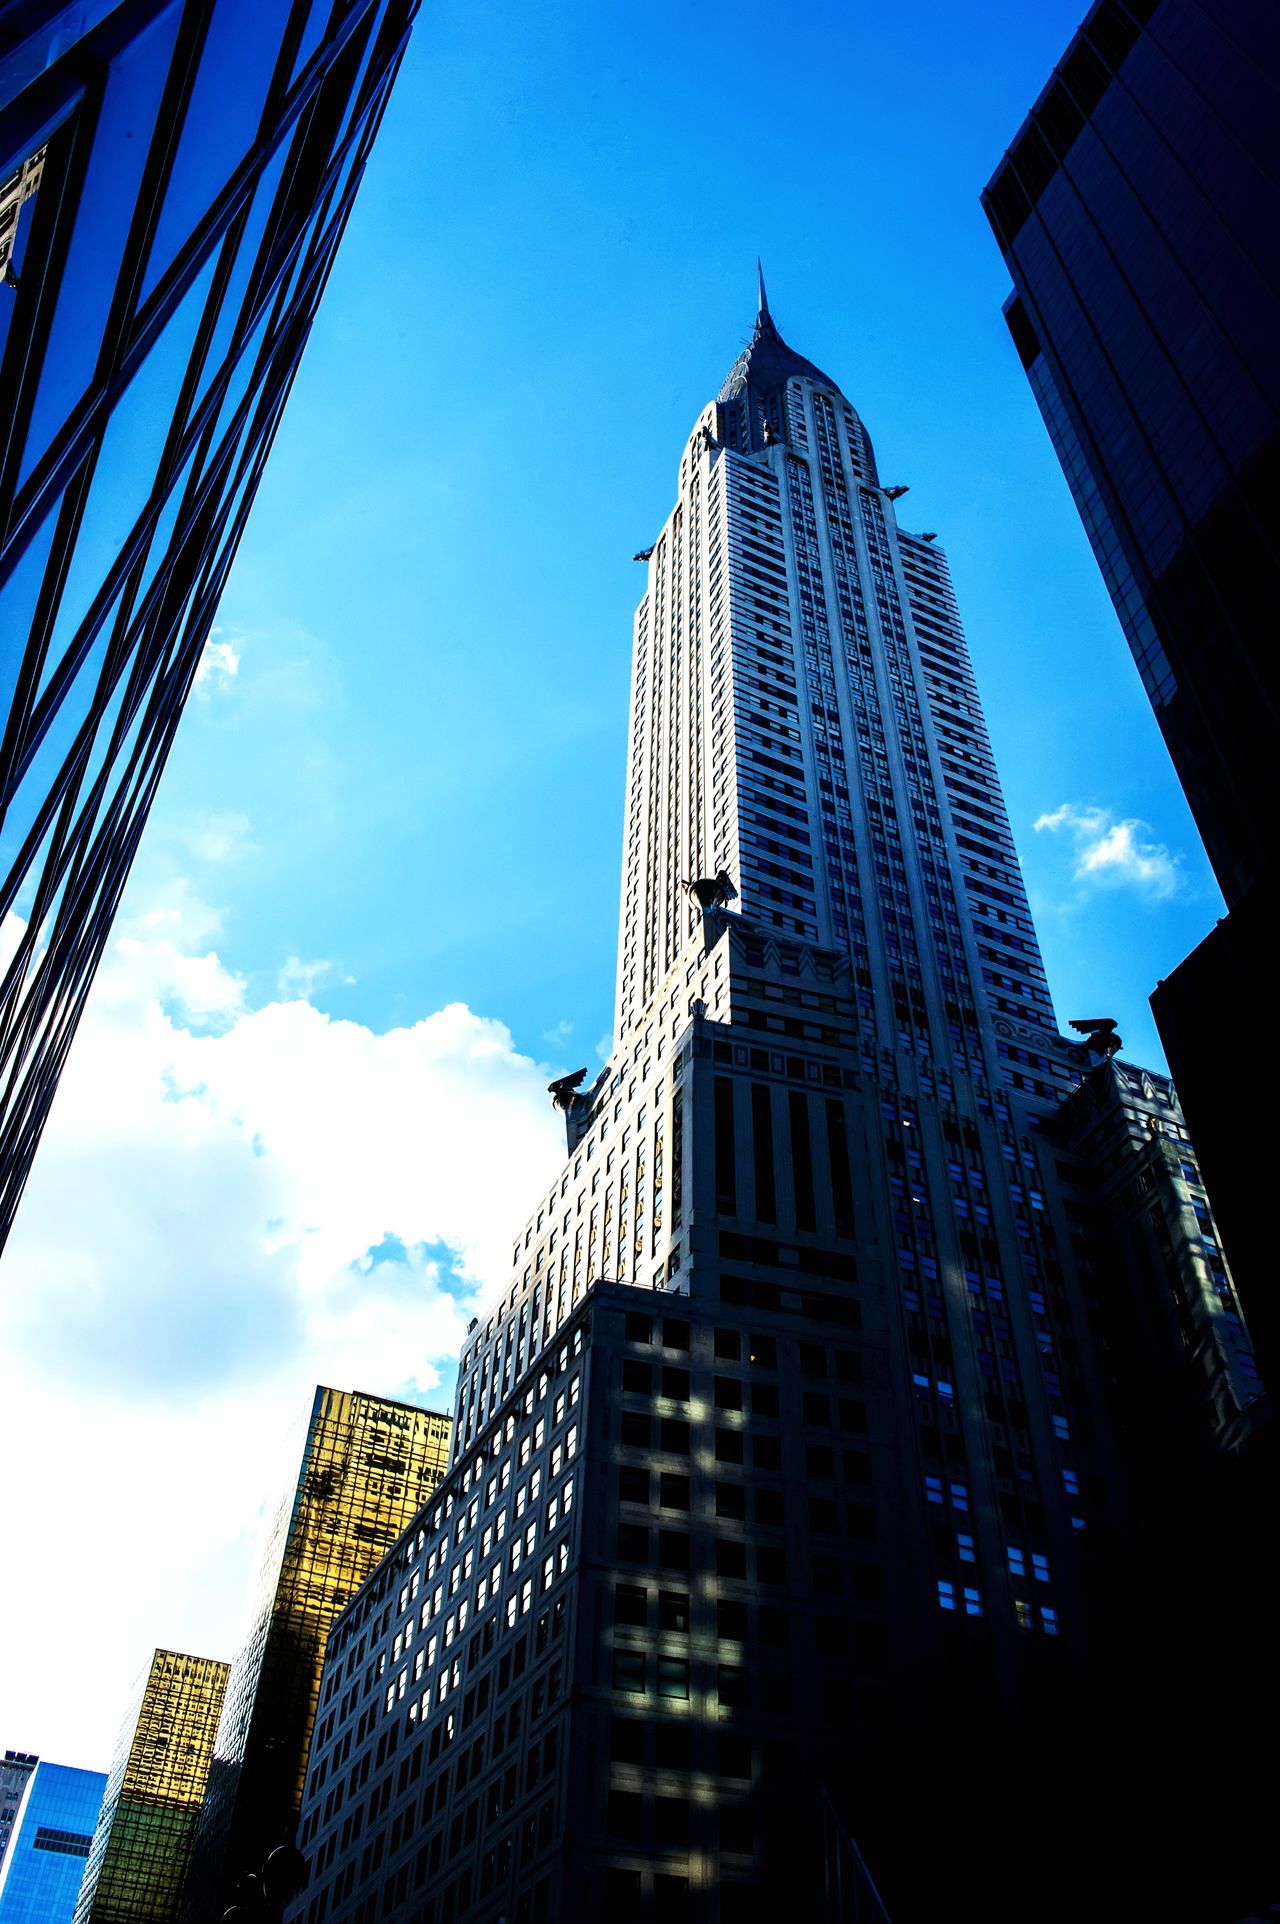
x=628, y=1672
x=630, y=1604
x=673, y=1676
x=633, y=1484
x=633, y=1543
x=731, y=1686
x=673, y=1550
x=731, y=1500
x=673, y=1610
x=731, y=1620
x=673, y=1491
x=634, y=1430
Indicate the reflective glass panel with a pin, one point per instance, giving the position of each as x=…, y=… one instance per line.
x=120, y=145
x=221, y=124
x=126, y=468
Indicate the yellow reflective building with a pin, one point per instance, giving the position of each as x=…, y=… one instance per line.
x=368, y=1464
x=142, y=1844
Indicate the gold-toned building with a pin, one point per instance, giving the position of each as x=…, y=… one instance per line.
x=142, y=1844
x=368, y=1464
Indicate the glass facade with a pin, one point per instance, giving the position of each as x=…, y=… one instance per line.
x=785, y=1467
x=44, y=1863
x=142, y=1845
x=1138, y=213
x=175, y=176
x=367, y=1464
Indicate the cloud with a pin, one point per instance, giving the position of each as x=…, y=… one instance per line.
x=298, y=979
x=219, y=838
x=231, y=1204
x=219, y=664
x=558, y=1034
x=1110, y=853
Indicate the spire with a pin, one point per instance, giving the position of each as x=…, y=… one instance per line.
x=764, y=367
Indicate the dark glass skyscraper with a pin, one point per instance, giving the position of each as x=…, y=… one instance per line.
x=775, y=1558
x=1138, y=211
x=175, y=176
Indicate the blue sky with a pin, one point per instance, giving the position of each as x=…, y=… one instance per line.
x=550, y=269
x=377, y=901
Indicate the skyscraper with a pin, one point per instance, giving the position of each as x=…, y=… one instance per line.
x=16, y=1767
x=1137, y=211
x=49, y=1842
x=367, y=1463
x=141, y=1847
x=773, y=1557
x=174, y=182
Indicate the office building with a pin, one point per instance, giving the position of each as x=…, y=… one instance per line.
x=14, y=1772
x=771, y=1564
x=366, y=1465
x=137, y=1865
x=1138, y=211
x=49, y=1842
x=174, y=181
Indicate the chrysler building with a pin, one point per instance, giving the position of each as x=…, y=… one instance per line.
x=777, y=1561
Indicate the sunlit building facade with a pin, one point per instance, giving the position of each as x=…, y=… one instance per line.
x=175, y=176
x=367, y=1463
x=785, y=1466
x=1138, y=213
x=49, y=1843
x=137, y=1865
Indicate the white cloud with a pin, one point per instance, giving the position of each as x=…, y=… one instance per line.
x=1110, y=853
x=604, y=1048
x=214, y=837
x=230, y=1205
x=558, y=1033
x=298, y=979
x=219, y=663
